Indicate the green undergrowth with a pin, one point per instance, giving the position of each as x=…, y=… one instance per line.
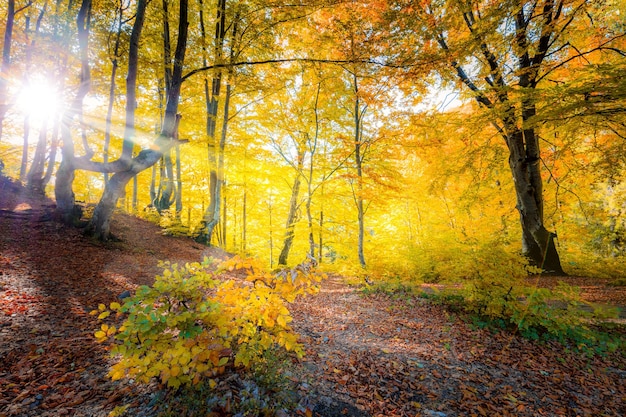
x=489, y=286
x=199, y=327
x=537, y=314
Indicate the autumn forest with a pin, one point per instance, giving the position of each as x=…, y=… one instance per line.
x=400, y=143
x=332, y=129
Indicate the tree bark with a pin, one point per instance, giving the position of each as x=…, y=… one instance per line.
x=537, y=242
x=67, y=209
x=112, y=86
x=291, y=216
x=358, y=158
x=166, y=194
x=215, y=148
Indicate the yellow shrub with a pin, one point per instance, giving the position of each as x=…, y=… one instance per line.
x=190, y=325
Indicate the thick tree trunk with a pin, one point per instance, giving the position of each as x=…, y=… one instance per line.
x=99, y=225
x=537, y=242
x=63, y=191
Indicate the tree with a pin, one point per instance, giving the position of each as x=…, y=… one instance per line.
x=215, y=147
x=115, y=55
x=472, y=38
x=64, y=193
x=6, y=63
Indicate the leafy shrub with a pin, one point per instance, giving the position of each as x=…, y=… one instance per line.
x=445, y=258
x=190, y=326
x=491, y=284
x=559, y=314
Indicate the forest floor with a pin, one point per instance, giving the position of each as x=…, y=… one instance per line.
x=366, y=355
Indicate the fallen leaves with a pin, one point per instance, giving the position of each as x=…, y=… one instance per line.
x=50, y=278
x=366, y=355
x=392, y=357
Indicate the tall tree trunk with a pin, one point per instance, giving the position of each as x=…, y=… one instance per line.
x=524, y=161
x=42, y=134
x=310, y=190
x=66, y=207
x=215, y=148
x=220, y=158
x=112, y=86
x=290, y=226
x=165, y=192
x=100, y=222
x=358, y=158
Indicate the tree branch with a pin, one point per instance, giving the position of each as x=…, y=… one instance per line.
x=304, y=60
x=582, y=54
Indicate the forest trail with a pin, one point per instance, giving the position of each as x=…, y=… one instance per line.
x=404, y=356
x=367, y=355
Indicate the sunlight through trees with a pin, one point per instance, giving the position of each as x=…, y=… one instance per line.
x=318, y=129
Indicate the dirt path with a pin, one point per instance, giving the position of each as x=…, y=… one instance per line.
x=379, y=356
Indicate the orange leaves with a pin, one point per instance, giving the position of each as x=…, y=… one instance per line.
x=13, y=302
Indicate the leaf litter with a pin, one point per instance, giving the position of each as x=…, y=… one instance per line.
x=367, y=355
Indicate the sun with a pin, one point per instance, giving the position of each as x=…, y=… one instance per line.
x=39, y=100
